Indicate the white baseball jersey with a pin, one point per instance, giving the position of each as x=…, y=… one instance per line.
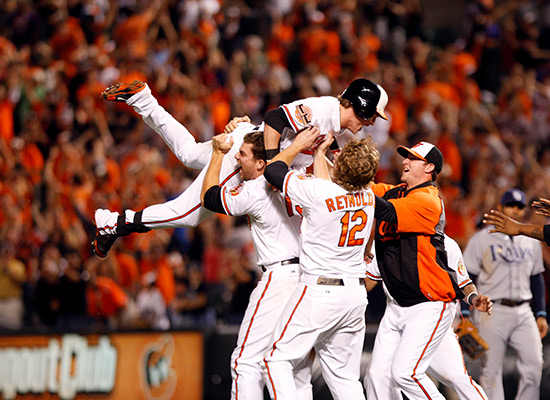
x=327, y=315
x=504, y=266
x=275, y=233
x=322, y=112
x=336, y=225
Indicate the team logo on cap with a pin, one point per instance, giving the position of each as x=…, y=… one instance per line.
x=236, y=190
x=517, y=196
x=303, y=114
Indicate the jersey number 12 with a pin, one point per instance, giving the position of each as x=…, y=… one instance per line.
x=347, y=237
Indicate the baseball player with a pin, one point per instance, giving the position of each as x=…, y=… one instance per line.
x=327, y=310
x=447, y=364
x=275, y=227
x=413, y=264
x=510, y=226
x=359, y=105
x=509, y=270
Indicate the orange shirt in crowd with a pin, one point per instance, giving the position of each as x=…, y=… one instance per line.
x=105, y=298
x=128, y=270
x=6, y=121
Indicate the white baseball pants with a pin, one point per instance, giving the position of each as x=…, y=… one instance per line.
x=405, y=344
x=264, y=309
x=329, y=319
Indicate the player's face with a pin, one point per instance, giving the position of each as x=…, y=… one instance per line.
x=514, y=211
x=249, y=165
x=352, y=122
x=414, y=171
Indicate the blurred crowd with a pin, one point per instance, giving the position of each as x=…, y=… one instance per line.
x=480, y=92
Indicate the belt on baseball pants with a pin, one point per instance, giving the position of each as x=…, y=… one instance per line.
x=510, y=303
x=294, y=260
x=323, y=280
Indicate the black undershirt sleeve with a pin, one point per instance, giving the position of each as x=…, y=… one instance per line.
x=213, y=200
x=384, y=210
x=537, y=288
x=275, y=173
x=546, y=232
x=277, y=120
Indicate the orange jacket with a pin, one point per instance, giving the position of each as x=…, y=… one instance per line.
x=411, y=253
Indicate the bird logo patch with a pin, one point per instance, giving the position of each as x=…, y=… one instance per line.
x=236, y=190
x=305, y=176
x=461, y=268
x=303, y=114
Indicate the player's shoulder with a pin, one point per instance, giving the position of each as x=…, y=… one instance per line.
x=483, y=234
x=451, y=244
x=312, y=108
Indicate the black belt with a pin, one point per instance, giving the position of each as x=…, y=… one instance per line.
x=511, y=303
x=335, y=281
x=294, y=260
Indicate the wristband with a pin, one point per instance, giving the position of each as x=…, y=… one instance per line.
x=469, y=298
x=271, y=153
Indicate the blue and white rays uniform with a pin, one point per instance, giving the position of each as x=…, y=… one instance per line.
x=504, y=266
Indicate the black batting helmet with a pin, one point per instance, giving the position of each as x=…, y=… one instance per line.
x=367, y=98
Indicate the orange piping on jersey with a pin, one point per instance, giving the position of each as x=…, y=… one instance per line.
x=423, y=351
x=247, y=332
x=435, y=282
x=465, y=283
x=285, y=188
x=375, y=277
x=289, y=116
x=278, y=340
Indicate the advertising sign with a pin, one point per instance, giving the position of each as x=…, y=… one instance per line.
x=149, y=366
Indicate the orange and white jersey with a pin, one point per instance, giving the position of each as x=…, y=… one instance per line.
x=336, y=225
x=322, y=112
x=274, y=226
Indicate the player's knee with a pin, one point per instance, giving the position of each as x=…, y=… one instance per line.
x=400, y=375
x=377, y=377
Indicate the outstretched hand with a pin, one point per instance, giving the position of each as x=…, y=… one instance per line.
x=483, y=303
x=502, y=223
x=542, y=207
x=231, y=125
x=222, y=143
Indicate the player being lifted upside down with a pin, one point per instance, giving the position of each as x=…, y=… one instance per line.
x=358, y=106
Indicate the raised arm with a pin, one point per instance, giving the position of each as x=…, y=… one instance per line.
x=220, y=146
x=321, y=164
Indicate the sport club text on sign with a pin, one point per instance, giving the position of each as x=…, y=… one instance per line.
x=151, y=366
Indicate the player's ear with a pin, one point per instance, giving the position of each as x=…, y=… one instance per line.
x=429, y=168
x=260, y=165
